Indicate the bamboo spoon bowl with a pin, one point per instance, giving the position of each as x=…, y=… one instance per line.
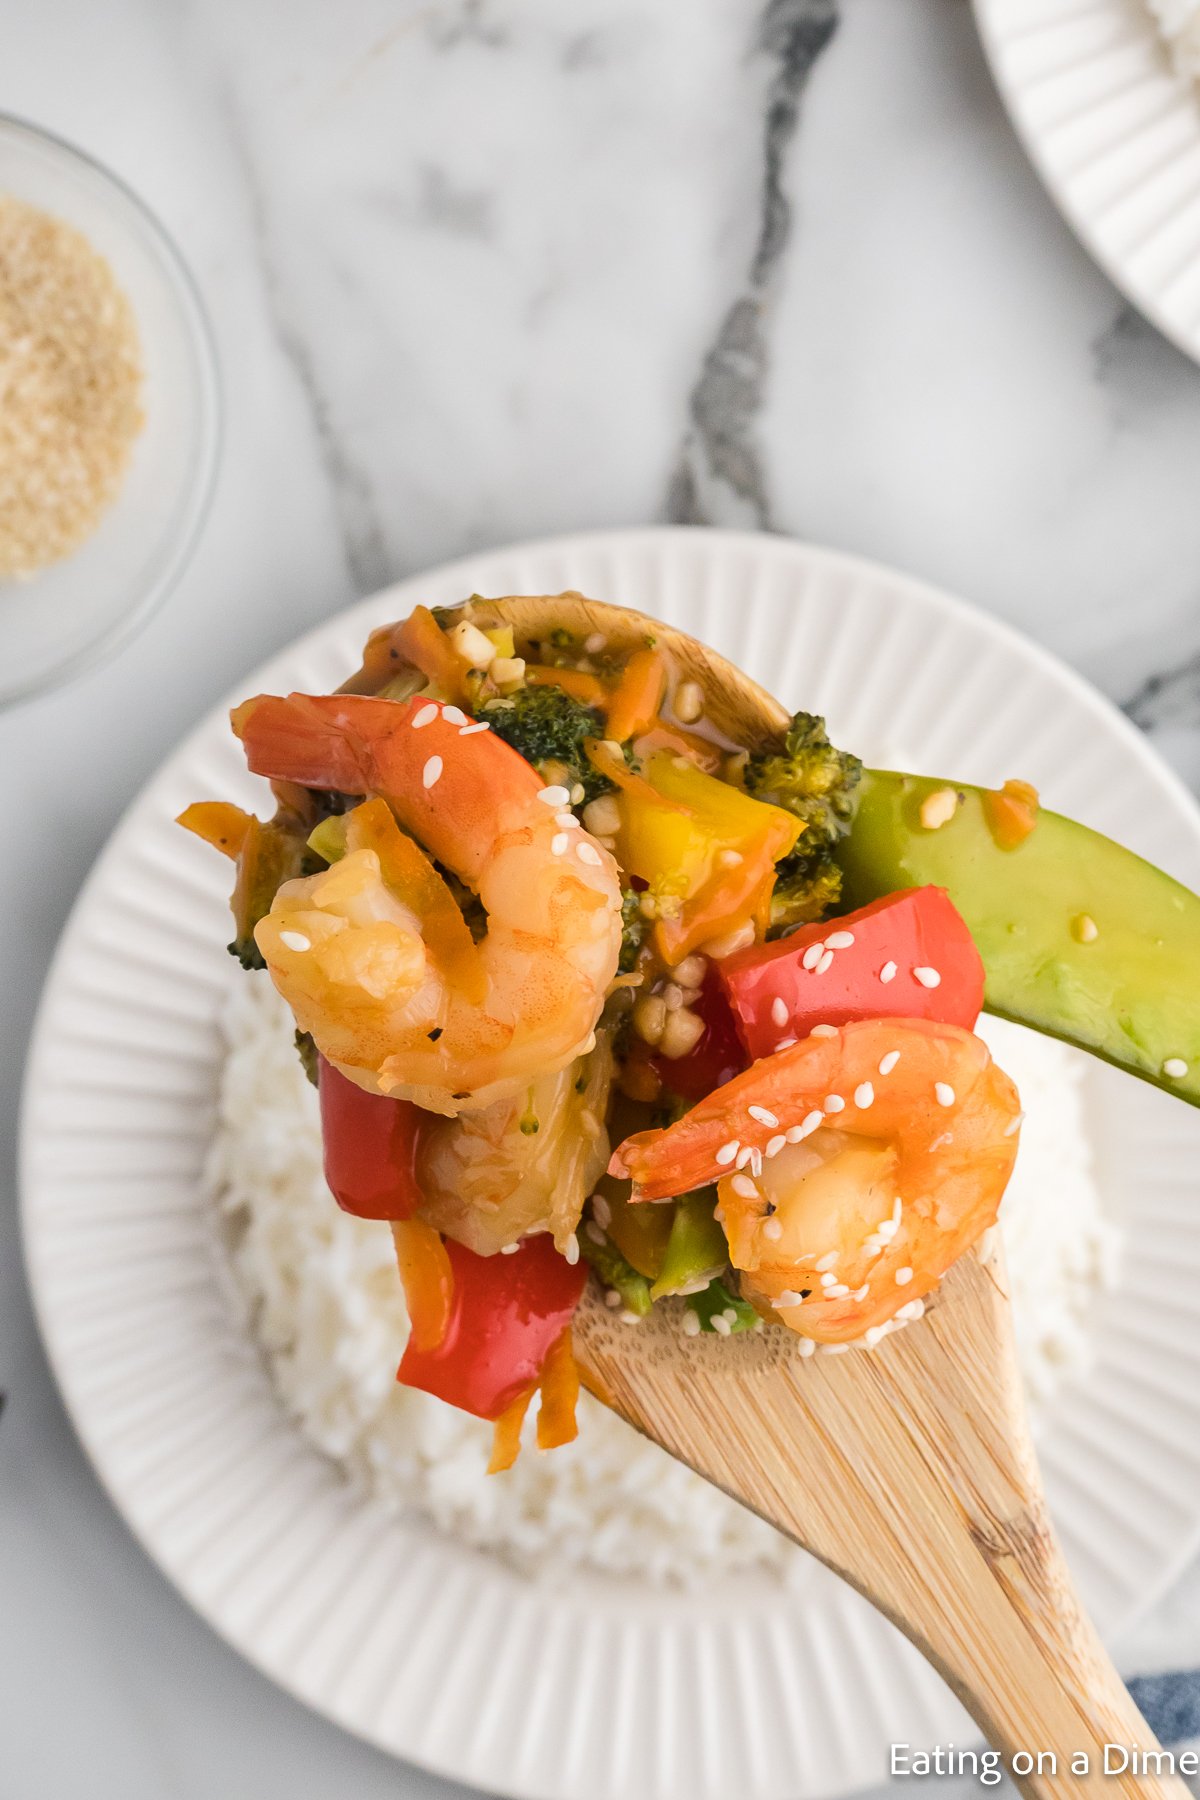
x=907, y=1469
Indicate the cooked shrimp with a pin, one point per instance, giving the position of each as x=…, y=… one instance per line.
x=521, y=1165
x=362, y=952
x=852, y=1170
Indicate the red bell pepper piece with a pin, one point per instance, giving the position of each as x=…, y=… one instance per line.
x=716, y=1058
x=370, y=1148
x=909, y=956
x=506, y=1315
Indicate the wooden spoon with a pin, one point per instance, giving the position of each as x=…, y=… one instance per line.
x=907, y=1469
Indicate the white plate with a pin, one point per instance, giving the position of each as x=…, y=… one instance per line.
x=581, y=1688
x=1115, y=135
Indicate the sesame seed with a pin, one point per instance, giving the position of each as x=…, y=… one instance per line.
x=805, y=1346
x=756, y=1162
x=823, y=1031
x=558, y=843
x=730, y=1313
x=571, y=1251
x=588, y=853
x=864, y=1095
x=827, y=1261
x=889, y=1062
x=612, y=1298
x=829, y=1279
x=812, y=955
x=727, y=1152
x=838, y=1291
x=567, y=820
x=888, y=972
x=874, y=1335
x=602, y=1209
x=728, y=859
x=834, y=1103
x=745, y=1155
x=913, y=1310
x=295, y=940
x=425, y=716
x=432, y=771
x=928, y=978
x=834, y=1349
x=1175, y=1068
x=593, y=1232
x=860, y=1293
x=629, y=1318
x=554, y=796
x=763, y=1116
x=772, y=1229
x=594, y=642
x=720, y=1323
x=839, y=940
x=796, y=1134
x=470, y=730
x=743, y=1185
x=938, y=808
x=789, y=1297
x=775, y=1144
x=943, y=1093
x=779, y=1011
x=897, y=1209
x=455, y=715
x=887, y=1229
x=1014, y=1125
x=903, y=1277
x=825, y=963
x=577, y=792
x=690, y=1323
x=784, y=1044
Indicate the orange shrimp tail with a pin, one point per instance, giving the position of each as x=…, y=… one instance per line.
x=303, y=739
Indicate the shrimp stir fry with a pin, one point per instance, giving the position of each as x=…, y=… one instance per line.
x=852, y=1169
x=450, y=1026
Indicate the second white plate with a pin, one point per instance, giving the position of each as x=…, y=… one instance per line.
x=1115, y=135
x=578, y=1689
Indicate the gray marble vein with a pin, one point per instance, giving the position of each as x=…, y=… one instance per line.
x=721, y=477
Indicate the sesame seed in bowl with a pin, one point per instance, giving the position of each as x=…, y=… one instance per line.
x=108, y=446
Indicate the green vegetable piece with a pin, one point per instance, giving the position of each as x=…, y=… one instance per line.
x=546, y=724
x=633, y=930
x=716, y=1302
x=1079, y=938
x=696, y=1249
x=306, y=1050
x=617, y=1274
x=328, y=839
x=807, y=776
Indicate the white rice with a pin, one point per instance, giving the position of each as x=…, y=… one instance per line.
x=1179, y=23
x=320, y=1290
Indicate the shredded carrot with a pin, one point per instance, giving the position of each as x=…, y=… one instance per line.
x=560, y=1393
x=410, y=873
x=638, y=695
x=422, y=642
x=587, y=688
x=218, y=823
x=661, y=736
x=428, y=1280
x=506, y=1436
x=1011, y=813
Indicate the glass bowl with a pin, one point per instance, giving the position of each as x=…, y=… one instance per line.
x=65, y=617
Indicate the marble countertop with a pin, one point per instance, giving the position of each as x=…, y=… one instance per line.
x=480, y=271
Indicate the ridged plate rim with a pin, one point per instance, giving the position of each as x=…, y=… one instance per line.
x=1054, y=105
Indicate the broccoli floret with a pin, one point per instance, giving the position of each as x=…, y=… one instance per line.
x=816, y=782
x=547, y=725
